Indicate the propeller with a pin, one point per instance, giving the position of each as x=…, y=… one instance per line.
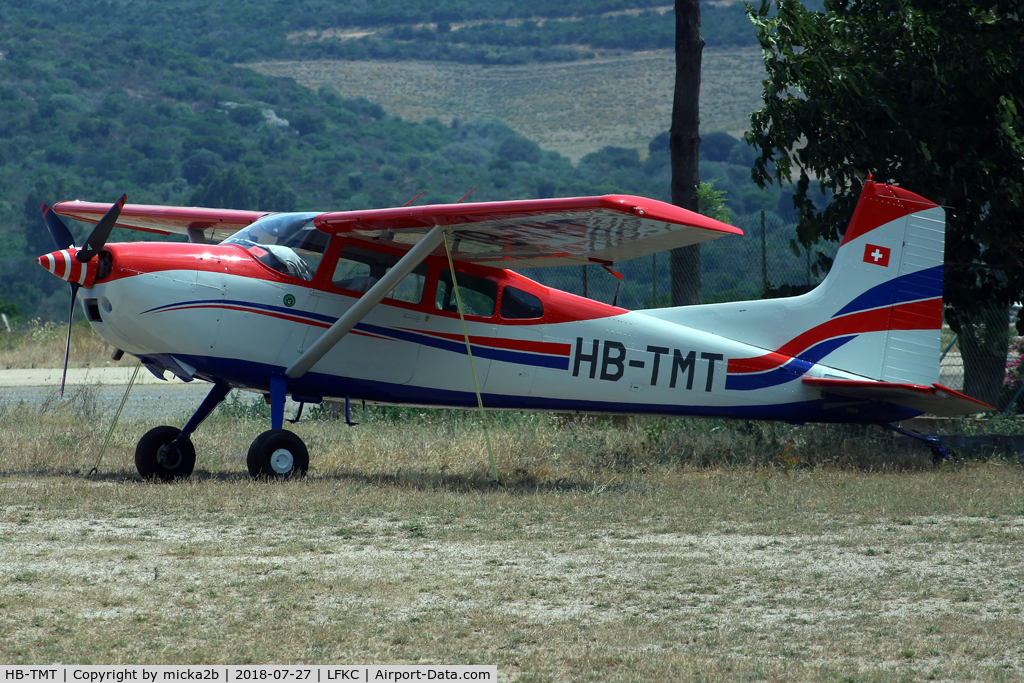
x=58, y=229
x=63, y=238
x=99, y=235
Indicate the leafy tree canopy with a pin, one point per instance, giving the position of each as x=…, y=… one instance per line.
x=926, y=93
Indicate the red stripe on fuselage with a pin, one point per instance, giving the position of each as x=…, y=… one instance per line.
x=550, y=348
x=917, y=315
x=243, y=309
x=269, y=314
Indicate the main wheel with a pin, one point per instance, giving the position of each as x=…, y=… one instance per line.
x=156, y=458
x=277, y=454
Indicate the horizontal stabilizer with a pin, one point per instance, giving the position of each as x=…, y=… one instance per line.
x=936, y=399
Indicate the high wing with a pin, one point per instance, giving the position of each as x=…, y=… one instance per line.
x=216, y=224
x=521, y=234
x=936, y=399
x=539, y=232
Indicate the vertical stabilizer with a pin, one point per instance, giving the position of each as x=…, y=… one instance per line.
x=878, y=313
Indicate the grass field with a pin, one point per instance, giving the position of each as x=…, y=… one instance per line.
x=573, y=108
x=42, y=345
x=681, y=550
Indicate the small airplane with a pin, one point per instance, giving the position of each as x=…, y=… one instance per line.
x=386, y=305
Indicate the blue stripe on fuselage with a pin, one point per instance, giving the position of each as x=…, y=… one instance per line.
x=504, y=355
x=298, y=313
x=792, y=370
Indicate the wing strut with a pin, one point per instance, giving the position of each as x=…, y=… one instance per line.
x=365, y=304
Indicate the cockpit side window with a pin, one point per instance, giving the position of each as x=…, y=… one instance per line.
x=359, y=269
x=287, y=242
x=478, y=294
x=519, y=305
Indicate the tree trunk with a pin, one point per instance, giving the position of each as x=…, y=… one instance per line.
x=984, y=339
x=684, y=145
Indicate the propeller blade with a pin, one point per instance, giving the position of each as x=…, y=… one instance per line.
x=67, y=348
x=101, y=232
x=58, y=229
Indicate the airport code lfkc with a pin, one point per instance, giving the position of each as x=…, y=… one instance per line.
x=228, y=674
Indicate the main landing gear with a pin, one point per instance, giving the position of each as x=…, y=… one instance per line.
x=277, y=453
x=166, y=453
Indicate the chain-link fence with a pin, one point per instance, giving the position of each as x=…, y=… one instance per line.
x=982, y=361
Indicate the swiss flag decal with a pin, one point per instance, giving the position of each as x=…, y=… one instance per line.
x=877, y=255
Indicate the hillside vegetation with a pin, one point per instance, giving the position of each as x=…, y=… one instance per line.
x=99, y=98
x=573, y=108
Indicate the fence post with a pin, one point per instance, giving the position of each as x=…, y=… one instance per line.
x=943, y=356
x=1013, y=401
x=584, y=281
x=764, y=257
x=654, y=280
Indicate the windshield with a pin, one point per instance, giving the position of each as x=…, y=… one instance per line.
x=287, y=242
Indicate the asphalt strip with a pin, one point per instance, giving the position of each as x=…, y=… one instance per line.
x=150, y=398
x=47, y=377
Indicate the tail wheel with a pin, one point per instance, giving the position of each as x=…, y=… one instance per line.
x=277, y=454
x=157, y=458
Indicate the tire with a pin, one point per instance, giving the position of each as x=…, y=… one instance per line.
x=277, y=454
x=151, y=455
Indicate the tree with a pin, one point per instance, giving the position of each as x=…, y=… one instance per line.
x=684, y=144
x=922, y=92
x=236, y=188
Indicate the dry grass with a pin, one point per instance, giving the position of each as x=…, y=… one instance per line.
x=606, y=554
x=41, y=345
x=573, y=108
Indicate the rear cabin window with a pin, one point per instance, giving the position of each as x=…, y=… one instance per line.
x=359, y=269
x=519, y=305
x=478, y=294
